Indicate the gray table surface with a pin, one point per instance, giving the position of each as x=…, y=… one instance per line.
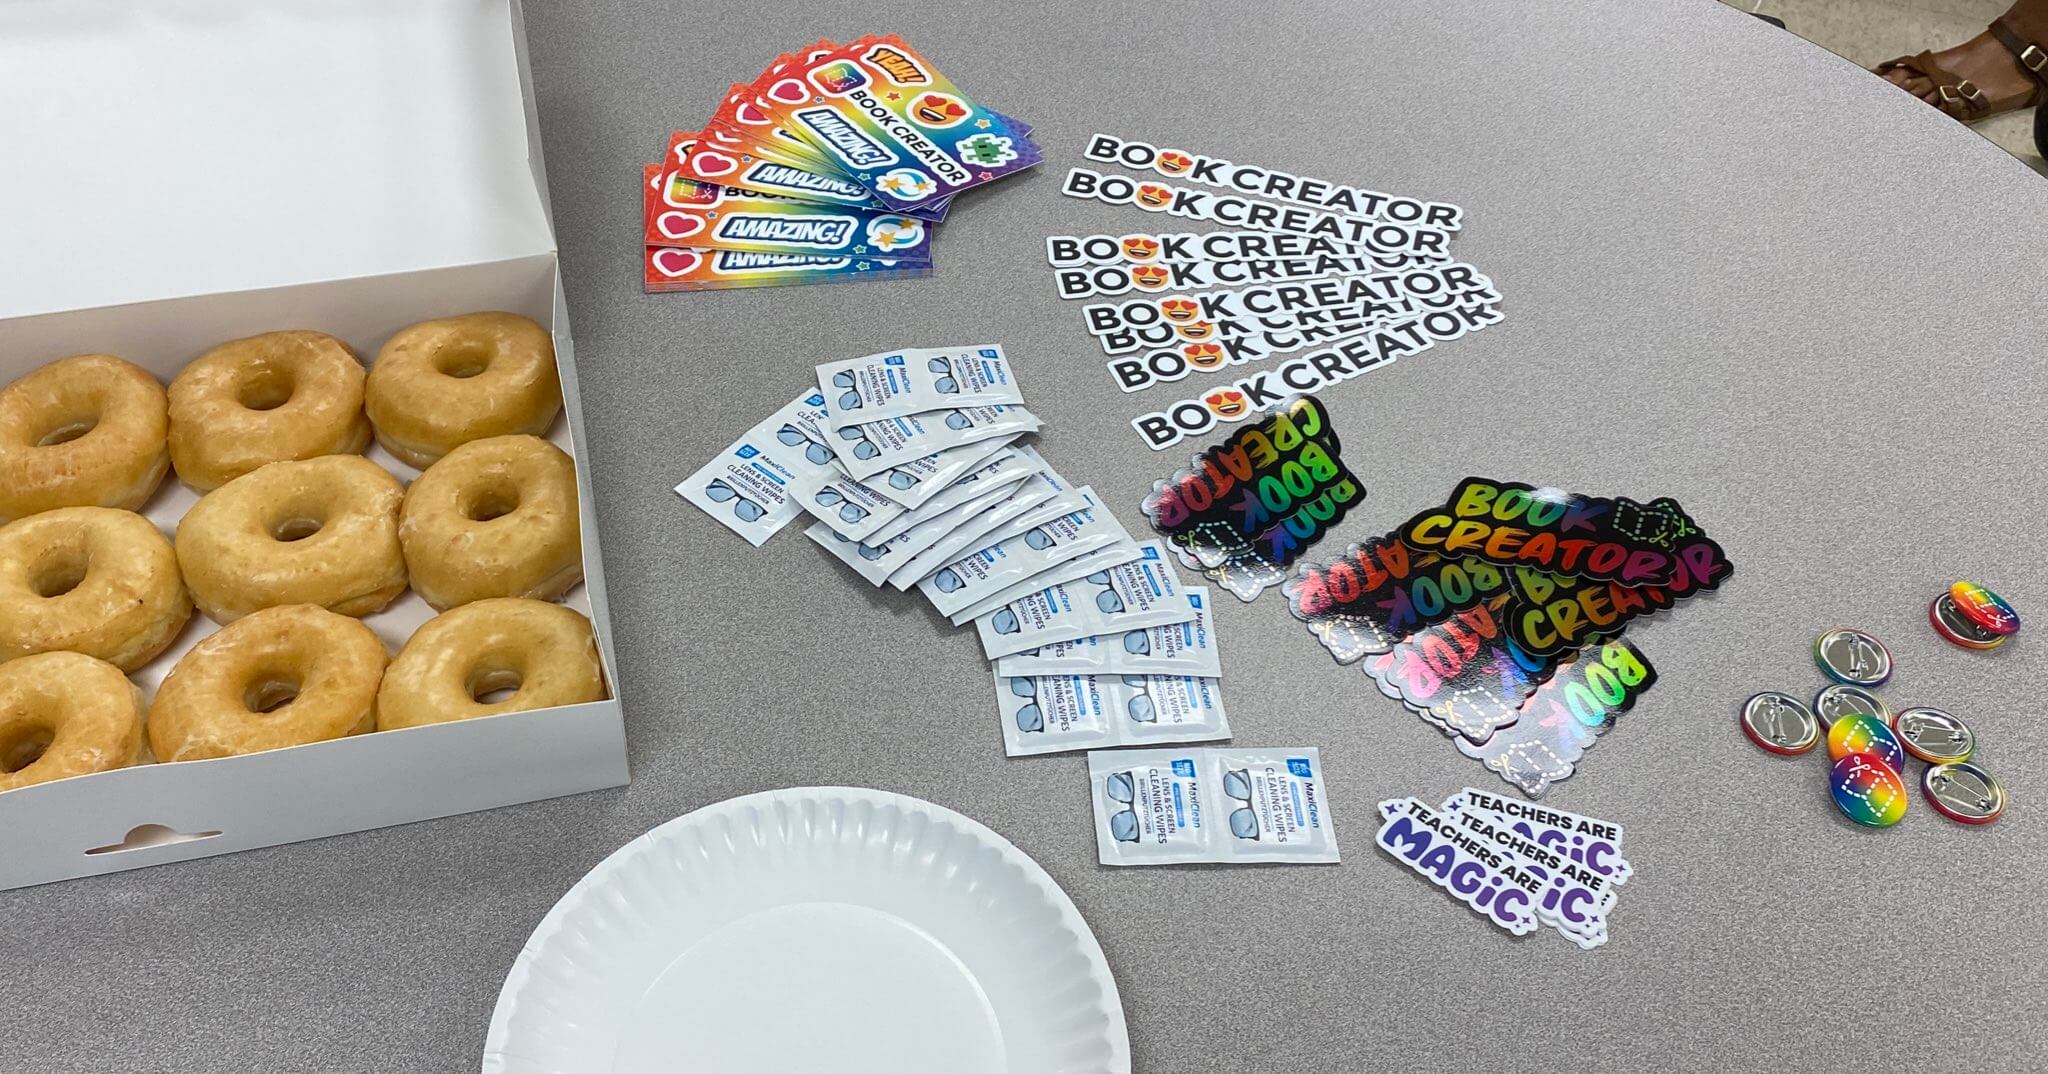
x=1737, y=271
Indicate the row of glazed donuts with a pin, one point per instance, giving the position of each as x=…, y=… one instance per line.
x=289, y=676
x=493, y=518
x=98, y=431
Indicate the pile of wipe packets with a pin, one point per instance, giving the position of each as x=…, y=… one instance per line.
x=910, y=464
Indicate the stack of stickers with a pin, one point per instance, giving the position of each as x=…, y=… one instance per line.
x=1310, y=283
x=1241, y=512
x=835, y=163
x=1518, y=865
x=1868, y=745
x=1498, y=617
x=909, y=464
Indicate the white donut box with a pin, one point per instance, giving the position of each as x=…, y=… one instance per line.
x=190, y=172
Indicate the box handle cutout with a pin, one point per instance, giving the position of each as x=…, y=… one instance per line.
x=143, y=836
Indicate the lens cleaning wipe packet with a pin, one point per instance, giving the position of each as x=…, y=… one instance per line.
x=1173, y=649
x=1003, y=563
x=878, y=562
x=1003, y=470
x=871, y=447
x=755, y=487
x=1142, y=593
x=1040, y=497
x=914, y=483
x=1080, y=566
x=1223, y=804
x=1057, y=713
x=895, y=383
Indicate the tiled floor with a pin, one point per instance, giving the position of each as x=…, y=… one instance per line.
x=1869, y=32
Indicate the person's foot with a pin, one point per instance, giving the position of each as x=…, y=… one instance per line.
x=1986, y=63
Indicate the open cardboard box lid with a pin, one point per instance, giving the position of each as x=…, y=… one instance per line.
x=201, y=146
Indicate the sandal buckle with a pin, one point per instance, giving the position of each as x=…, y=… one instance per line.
x=1965, y=91
x=2034, y=59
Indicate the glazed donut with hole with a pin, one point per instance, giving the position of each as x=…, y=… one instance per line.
x=276, y=397
x=64, y=715
x=89, y=580
x=494, y=518
x=323, y=531
x=284, y=676
x=491, y=657
x=86, y=431
x=439, y=385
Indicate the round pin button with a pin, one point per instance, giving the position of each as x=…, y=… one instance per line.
x=1964, y=792
x=1950, y=623
x=1985, y=608
x=1841, y=699
x=1780, y=723
x=1935, y=736
x=1866, y=735
x=1868, y=791
x=1853, y=657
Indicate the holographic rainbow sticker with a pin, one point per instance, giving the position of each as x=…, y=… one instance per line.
x=1868, y=791
x=1863, y=733
x=1984, y=608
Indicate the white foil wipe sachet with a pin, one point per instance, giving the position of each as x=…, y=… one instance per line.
x=1171, y=649
x=877, y=563
x=1057, y=713
x=873, y=447
x=895, y=383
x=756, y=486
x=1144, y=592
x=1019, y=557
x=1222, y=804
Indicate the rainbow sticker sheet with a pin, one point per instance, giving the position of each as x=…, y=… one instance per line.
x=836, y=162
x=1306, y=283
x=1497, y=617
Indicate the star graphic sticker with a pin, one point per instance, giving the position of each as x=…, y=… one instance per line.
x=860, y=249
x=982, y=123
x=986, y=176
x=894, y=96
x=862, y=265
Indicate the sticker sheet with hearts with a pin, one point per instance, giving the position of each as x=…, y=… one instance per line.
x=835, y=163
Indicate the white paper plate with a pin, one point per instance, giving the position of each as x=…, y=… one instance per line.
x=810, y=930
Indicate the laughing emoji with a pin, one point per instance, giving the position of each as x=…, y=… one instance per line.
x=1196, y=330
x=1175, y=162
x=1140, y=248
x=1153, y=197
x=1179, y=310
x=938, y=110
x=1204, y=355
x=1226, y=403
x=1148, y=277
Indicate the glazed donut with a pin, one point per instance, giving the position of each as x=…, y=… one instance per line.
x=283, y=676
x=89, y=580
x=81, y=432
x=494, y=518
x=270, y=398
x=323, y=531
x=63, y=715
x=544, y=653
x=440, y=384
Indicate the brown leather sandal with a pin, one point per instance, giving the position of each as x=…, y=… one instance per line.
x=1960, y=97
